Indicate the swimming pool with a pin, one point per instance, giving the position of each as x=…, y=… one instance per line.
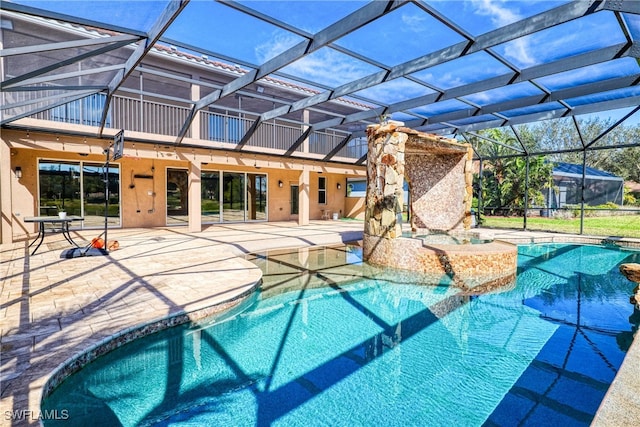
x=332, y=341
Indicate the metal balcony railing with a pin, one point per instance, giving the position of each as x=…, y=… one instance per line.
x=223, y=127
x=354, y=149
x=147, y=116
x=84, y=111
x=275, y=135
x=167, y=119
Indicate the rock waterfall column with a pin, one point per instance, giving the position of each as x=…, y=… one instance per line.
x=439, y=171
x=385, y=179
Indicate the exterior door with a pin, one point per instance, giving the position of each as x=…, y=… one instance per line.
x=233, y=197
x=177, y=196
x=295, y=197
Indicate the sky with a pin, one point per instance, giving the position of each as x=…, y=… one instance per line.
x=400, y=36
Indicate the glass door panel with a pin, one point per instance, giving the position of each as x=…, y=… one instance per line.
x=93, y=189
x=59, y=188
x=177, y=196
x=232, y=197
x=295, y=189
x=210, y=197
x=256, y=208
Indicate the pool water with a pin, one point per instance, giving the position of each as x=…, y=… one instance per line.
x=446, y=239
x=332, y=341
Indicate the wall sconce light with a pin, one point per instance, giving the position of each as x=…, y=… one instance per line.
x=339, y=186
x=280, y=184
x=18, y=172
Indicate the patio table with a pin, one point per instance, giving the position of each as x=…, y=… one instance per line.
x=64, y=226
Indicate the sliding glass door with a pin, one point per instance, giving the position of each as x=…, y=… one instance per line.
x=210, y=197
x=93, y=189
x=233, y=205
x=256, y=206
x=233, y=197
x=177, y=196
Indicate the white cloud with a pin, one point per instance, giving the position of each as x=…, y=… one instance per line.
x=496, y=11
x=500, y=15
x=325, y=66
x=520, y=50
x=279, y=43
x=329, y=67
x=414, y=22
x=395, y=91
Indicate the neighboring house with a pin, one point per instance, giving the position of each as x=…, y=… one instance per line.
x=600, y=187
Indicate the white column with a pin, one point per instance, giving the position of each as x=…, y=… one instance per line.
x=195, y=124
x=303, y=200
x=195, y=202
x=6, y=174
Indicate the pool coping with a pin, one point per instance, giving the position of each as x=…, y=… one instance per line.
x=93, y=352
x=618, y=408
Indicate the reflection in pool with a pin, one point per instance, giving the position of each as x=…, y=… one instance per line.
x=333, y=341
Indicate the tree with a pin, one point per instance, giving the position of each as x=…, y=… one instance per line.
x=504, y=177
x=504, y=183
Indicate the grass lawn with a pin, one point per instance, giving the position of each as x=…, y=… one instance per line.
x=622, y=226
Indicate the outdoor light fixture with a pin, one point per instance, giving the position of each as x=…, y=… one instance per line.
x=280, y=184
x=18, y=172
x=339, y=186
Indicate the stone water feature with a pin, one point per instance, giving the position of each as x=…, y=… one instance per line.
x=632, y=272
x=439, y=174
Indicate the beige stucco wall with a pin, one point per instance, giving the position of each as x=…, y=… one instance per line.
x=144, y=204
x=335, y=197
x=354, y=207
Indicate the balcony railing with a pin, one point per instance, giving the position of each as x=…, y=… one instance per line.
x=354, y=149
x=167, y=119
x=275, y=135
x=147, y=116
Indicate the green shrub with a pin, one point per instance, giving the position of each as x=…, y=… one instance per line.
x=591, y=211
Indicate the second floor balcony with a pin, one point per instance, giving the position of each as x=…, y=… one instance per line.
x=158, y=118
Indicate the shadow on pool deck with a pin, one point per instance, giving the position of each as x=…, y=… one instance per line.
x=54, y=309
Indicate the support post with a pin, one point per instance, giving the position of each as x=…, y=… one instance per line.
x=6, y=203
x=584, y=182
x=106, y=198
x=480, y=183
x=195, y=197
x=526, y=194
x=303, y=197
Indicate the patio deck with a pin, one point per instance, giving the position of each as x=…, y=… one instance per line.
x=54, y=309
